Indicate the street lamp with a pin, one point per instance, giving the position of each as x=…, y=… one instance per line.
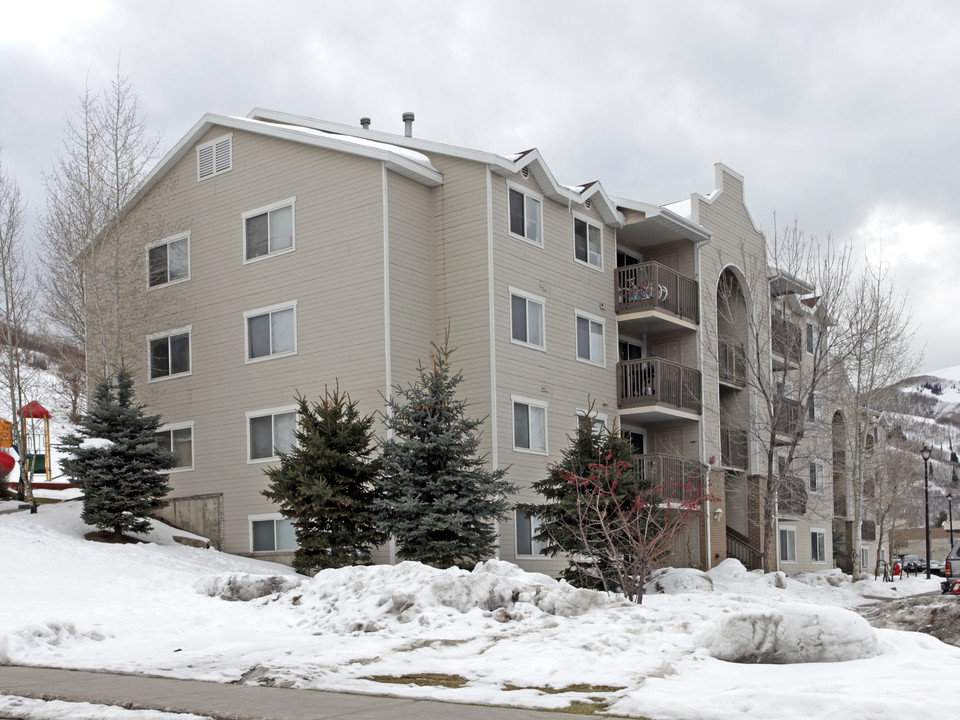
x=950, y=517
x=926, y=500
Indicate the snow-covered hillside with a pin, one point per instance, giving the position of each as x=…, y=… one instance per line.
x=706, y=645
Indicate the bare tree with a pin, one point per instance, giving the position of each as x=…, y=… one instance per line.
x=18, y=301
x=876, y=322
x=623, y=525
x=785, y=347
x=107, y=154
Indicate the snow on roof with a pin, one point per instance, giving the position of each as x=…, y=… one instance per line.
x=413, y=155
x=683, y=208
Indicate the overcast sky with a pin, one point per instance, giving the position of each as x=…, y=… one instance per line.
x=844, y=115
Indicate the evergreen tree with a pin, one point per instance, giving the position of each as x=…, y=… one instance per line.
x=560, y=516
x=121, y=479
x=327, y=484
x=439, y=499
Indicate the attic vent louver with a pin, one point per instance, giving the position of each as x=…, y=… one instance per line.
x=215, y=157
x=525, y=172
x=588, y=204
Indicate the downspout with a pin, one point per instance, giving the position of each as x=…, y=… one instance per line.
x=388, y=368
x=491, y=307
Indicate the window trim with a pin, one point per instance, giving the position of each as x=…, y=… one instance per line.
x=597, y=417
x=261, y=518
x=188, y=330
x=533, y=543
x=170, y=427
x=514, y=400
x=529, y=297
x=603, y=328
x=589, y=222
x=526, y=192
x=282, y=410
x=789, y=529
x=818, y=531
x=817, y=472
x=167, y=241
x=268, y=310
x=266, y=210
x=213, y=143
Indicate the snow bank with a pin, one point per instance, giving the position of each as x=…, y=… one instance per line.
x=792, y=633
x=372, y=598
x=245, y=587
x=678, y=580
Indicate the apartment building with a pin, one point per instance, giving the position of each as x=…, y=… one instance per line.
x=283, y=254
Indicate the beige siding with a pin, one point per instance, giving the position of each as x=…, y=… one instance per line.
x=335, y=275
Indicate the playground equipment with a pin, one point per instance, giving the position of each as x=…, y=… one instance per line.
x=39, y=462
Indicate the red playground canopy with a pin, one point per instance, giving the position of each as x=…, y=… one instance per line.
x=33, y=409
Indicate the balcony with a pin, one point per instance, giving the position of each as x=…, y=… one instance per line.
x=657, y=298
x=658, y=389
x=675, y=477
x=733, y=364
x=786, y=421
x=733, y=448
x=786, y=341
x=792, y=496
x=840, y=506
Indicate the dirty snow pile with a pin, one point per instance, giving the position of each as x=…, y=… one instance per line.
x=702, y=645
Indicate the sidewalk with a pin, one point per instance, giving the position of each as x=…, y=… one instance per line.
x=234, y=702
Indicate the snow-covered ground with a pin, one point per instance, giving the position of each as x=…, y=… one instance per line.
x=711, y=645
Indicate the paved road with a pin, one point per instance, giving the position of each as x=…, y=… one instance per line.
x=234, y=702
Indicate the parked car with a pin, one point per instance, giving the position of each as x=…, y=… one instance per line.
x=951, y=568
x=936, y=567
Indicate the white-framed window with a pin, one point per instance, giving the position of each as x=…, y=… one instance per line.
x=271, y=532
x=811, y=338
x=864, y=557
x=168, y=354
x=269, y=432
x=813, y=407
x=597, y=420
x=527, y=319
x=178, y=439
x=527, y=527
x=529, y=425
x=271, y=331
x=590, y=338
x=526, y=215
x=215, y=157
x=587, y=243
x=168, y=260
x=818, y=545
x=816, y=477
x=788, y=544
x=269, y=230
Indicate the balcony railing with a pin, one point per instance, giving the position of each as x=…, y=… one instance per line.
x=868, y=530
x=733, y=363
x=652, y=381
x=786, y=339
x=840, y=506
x=787, y=419
x=739, y=547
x=792, y=496
x=733, y=448
x=676, y=477
x=652, y=286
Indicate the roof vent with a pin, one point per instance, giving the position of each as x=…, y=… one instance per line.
x=525, y=172
x=365, y=123
x=588, y=204
x=408, y=124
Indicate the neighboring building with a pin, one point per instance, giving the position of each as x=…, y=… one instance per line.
x=286, y=254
